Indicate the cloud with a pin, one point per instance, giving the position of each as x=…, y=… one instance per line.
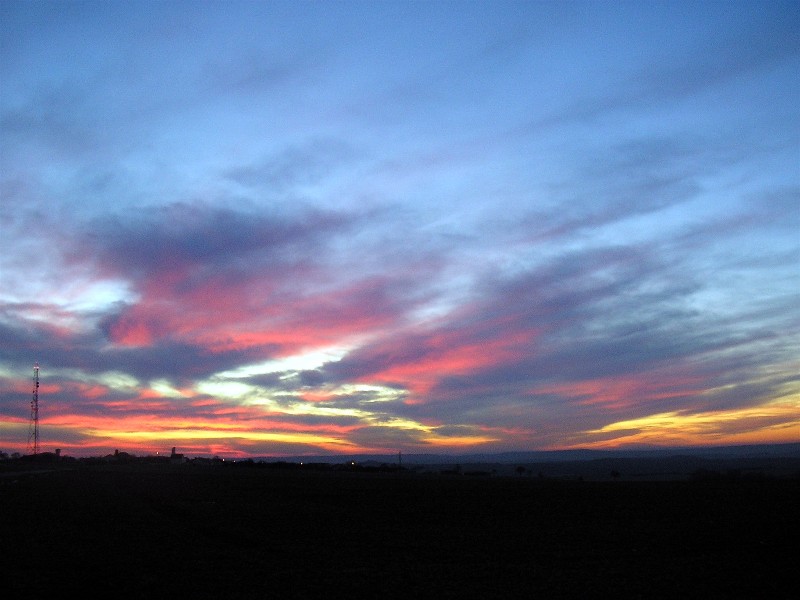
x=268, y=229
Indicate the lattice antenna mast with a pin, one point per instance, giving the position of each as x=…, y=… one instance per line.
x=33, y=431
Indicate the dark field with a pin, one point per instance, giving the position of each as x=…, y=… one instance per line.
x=226, y=532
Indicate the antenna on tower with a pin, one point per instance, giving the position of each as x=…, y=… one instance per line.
x=33, y=430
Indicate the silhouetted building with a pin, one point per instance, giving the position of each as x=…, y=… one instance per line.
x=176, y=458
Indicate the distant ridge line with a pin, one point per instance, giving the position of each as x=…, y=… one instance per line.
x=789, y=450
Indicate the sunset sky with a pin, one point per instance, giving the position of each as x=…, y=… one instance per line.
x=284, y=228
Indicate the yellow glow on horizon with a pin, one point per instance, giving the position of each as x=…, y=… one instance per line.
x=399, y=423
x=461, y=441
x=774, y=422
x=432, y=437
x=218, y=433
x=146, y=429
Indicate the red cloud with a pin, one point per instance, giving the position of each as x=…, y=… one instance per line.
x=234, y=315
x=446, y=354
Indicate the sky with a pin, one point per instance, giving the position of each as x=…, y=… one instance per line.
x=299, y=228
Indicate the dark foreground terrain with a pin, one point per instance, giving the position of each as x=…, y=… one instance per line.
x=166, y=531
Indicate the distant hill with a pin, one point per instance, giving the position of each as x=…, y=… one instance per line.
x=781, y=460
x=551, y=456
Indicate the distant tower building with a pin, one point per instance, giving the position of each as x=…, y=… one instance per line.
x=33, y=430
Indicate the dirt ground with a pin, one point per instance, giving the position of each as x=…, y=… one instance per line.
x=132, y=531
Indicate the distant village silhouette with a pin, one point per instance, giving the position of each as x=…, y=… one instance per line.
x=742, y=462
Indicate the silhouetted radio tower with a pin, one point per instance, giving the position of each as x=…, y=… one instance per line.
x=33, y=431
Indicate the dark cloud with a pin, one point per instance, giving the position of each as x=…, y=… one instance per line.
x=23, y=342
x=388, y=438
x=184, y=233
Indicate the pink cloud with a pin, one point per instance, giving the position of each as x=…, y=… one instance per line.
x=624, y=391
x=446, y=354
